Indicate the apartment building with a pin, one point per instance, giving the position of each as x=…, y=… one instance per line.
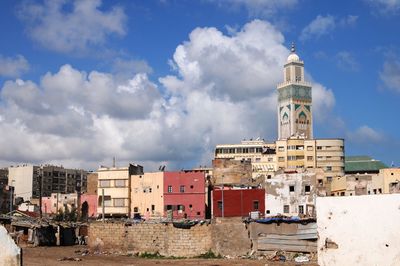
x=27, y=180
x=147, y=194
x=114, y=190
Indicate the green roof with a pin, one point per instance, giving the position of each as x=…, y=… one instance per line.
x=362, y=164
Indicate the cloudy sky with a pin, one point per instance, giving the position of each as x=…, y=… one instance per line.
x=163, y=81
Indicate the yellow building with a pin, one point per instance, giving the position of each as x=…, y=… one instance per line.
x=356, y=184
x=391, y=180
x=114, y=190
x=147, y=194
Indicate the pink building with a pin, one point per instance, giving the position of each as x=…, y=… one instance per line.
x=88, y=203
x=184, y=195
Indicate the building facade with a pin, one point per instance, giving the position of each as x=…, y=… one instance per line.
x=147, y=195
x=185, y=195
x=237, y=202
x=114, y=191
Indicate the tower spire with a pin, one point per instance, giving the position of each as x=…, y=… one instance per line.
x=293, y=48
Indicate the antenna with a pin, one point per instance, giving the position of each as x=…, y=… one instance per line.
x=114, y=161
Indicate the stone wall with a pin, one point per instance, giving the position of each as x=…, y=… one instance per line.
x=225, y=238
x=148, y=237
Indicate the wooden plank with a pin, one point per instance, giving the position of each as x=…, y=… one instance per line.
x=292, y=242
x=298, y=236
x=274, y=247
x=307, y=226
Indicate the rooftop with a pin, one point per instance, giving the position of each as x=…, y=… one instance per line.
x=362, y=164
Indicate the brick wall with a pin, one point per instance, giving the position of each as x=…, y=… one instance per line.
x=224, y=237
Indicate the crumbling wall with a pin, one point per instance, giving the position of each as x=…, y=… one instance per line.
x=229, y=171
x=359, y=230
x=225, y=238
x=10, y=253
x=148, y=237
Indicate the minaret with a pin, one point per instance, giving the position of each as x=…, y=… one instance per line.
x=294, y=101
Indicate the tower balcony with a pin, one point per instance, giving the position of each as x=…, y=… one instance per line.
x=286, y=83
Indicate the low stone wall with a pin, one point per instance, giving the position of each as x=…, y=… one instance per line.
x=225, y=238
x=148, y=237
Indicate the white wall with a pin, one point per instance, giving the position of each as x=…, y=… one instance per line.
x=21, y=177
x=9, y=252
x=364, y=228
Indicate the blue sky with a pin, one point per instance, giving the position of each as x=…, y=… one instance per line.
x=163, y=82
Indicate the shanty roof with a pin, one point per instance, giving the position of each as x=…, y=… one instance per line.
x=362, y=164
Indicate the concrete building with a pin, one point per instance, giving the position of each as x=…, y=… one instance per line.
x=54, y=179
x=92, y=180
x=356, y=184
x=295, y=147
x=230, y=171
x=184, y=194
x=292, y=193
x=237, y=202
x=147, y=195
x=391, y=180
x=114, y=189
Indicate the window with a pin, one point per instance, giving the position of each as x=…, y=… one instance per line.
x=181, y=207
x=119, y=202
x=135, y=209
x=267, y=212
x=120, y=183
x=153, y=207
x=291, y=158
x=329, y=168
x=190, y=206
x=380, y=190
x=269, y=177
x=310, y=158
x=341, y=193
x=319, y=147
x=281, y=148
x=219, y=205
x=291, y=188
x=182, y=189
x=198, y=213
x=107, y=201
x=301, y=209
x=169, y=207
x=150, y=190
x=104, y=183
x=310, y=148
x=191, y=186
x=320, y=182
x=285, y=208
x=374, y=191
x=281, y=159
x=255, y=205
x=270, y=159
x=307, y=188
x=169, y=189
x=329, y=178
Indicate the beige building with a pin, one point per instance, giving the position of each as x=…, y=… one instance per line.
x=356, y=184
x=391, y=180
x=114, y=185
x=147, y=194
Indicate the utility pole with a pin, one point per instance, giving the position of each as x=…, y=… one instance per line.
x=102, y=204
x=78, y=190
x=222, y=195
x=40, y=190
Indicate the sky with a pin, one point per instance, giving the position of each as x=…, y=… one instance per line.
x=161, y=82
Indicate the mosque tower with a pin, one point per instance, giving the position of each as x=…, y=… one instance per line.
x=294, y=101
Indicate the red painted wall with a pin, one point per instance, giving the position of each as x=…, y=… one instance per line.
x=92, y=203
x=194, y=194
x=238, y=202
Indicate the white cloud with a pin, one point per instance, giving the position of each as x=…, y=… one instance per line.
x=84, y=26
x=320, y=26
x=323, y=25
x=390, y=74
x=223, y=89
x=365, y=134
x=384, y=7
x=264, y=8
x=346, y=61
x=13, y=67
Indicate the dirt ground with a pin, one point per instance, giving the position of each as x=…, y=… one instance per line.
x=43, y=256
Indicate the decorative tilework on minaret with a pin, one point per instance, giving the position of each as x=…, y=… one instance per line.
x=294, y=101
